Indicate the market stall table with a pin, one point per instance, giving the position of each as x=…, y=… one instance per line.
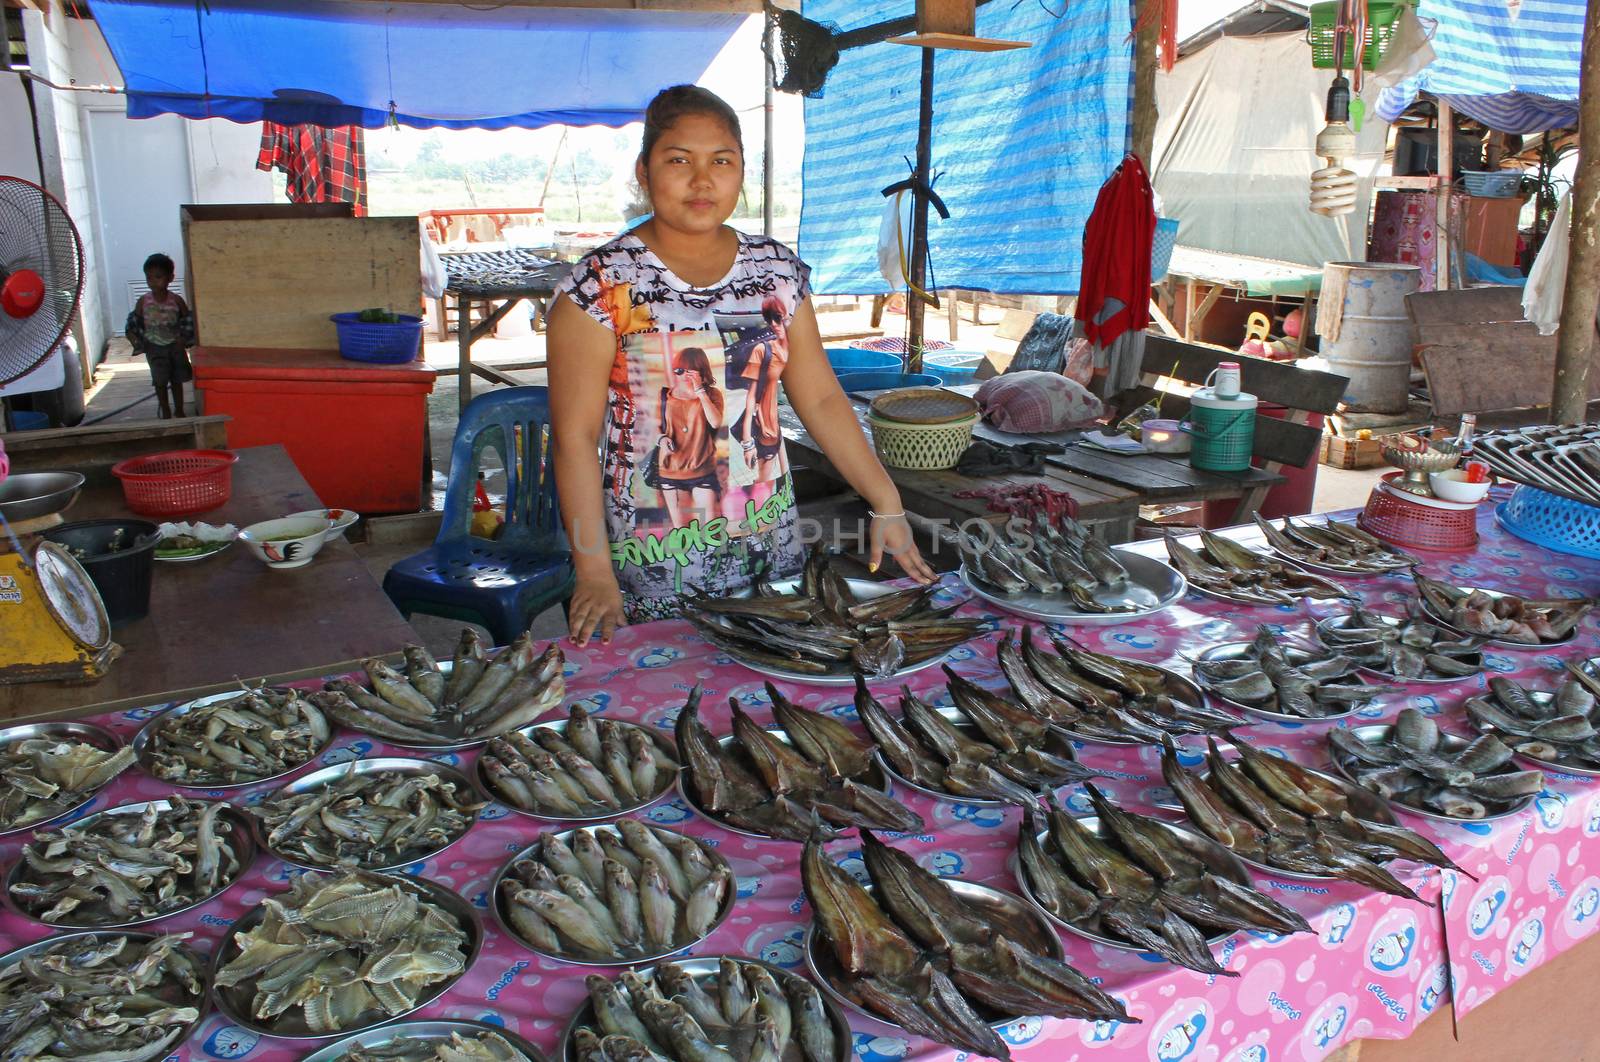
x=1375, y=966
x=488, y=277
x=228, y=618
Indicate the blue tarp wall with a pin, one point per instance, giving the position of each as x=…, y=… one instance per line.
x=1513, y=67
x=1025, y=139
x=329, y=62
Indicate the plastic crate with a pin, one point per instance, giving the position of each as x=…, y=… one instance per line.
x=1382, y=15
x=1492, y=184
x=178, y=482
x=1415, y=525
x=378, y=344
x=1551, y=521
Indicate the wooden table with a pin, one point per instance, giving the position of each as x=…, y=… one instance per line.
x=216, y=621
x=933, y=495
x=1155, y=478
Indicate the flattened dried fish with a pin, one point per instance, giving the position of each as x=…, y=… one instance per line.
x=254, y=735
x=43, y=777
x=469, y=1047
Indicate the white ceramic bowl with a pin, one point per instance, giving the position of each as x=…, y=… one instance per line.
x=1452, y=485
x=287, y=543
x=341, y=518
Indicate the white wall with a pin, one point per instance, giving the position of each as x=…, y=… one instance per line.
x=16, y=131
x=223, y=157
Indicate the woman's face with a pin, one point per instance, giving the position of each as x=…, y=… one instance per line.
x=694, y=175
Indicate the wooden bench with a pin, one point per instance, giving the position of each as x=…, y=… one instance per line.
x=1481, y=356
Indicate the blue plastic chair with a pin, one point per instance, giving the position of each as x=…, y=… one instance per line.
x=505, y=582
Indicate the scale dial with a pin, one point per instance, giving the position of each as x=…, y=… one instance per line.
x=71, y=597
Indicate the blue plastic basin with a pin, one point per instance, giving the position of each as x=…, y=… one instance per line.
x=849, y=359
x=885, y=381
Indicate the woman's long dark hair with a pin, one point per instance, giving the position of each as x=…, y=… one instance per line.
x=671, y=104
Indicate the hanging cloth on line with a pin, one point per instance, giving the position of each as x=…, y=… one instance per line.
x=1114, y=297
x=322, y=165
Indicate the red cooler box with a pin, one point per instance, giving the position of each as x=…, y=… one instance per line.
x=357, y=432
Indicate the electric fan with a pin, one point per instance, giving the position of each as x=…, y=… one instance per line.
x=41, y=276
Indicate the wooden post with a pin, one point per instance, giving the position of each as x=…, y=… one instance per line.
x=915, y=307
x=1144, y=88
x=766, y=150
x=1441, y=205
x=1575, y=338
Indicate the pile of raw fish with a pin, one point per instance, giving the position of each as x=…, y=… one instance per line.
x=1274, y=812
x=1234, y=573
x=992, y=750
x=759, y=783
x=43, y=777
x=349, y=950
x=824, y=629
x=257, y=734
x=371, y=819
x=584, y=768
x=130, y=866
x=1051, y=561
x=744, y=1012
x=1416, y=767
x=1288, y=680
x=919, y=955
x=624, y=893
x=472, y=1047
x=1412, y=648
x=1336, y=545
x=106, y=996
x=481, y=697
x=1507, y=618
x=1556, y=728
x=1098, y=697
x=1134, y=880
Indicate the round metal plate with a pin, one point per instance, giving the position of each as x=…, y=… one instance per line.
x=87, y=733
x=1296, y=655
x=1026, y=921
x=326, y=776
x=237, y=1001
x=662, y=742
x=1539, y=697
x=704, y=970
x=200, y=1003
x=241, y=836
x=1163, y=583
x=1343, y=623
x=874, y=778
x=437, y=1030
x=1498, y=643
x=1398, y=563
x=1218, y=860
x=71, y=596
x=1056, y=743
x=1379, y=733
x=497, y=902
x=149, y=734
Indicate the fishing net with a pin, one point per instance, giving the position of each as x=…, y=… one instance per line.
x=808, y=51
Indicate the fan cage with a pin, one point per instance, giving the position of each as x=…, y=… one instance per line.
x=36, y=233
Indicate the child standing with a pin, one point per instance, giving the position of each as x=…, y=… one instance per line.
x=162, y=329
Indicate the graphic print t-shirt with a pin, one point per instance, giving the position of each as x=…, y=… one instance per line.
x=697, y=487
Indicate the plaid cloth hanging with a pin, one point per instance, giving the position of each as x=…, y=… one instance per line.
x=323, y=165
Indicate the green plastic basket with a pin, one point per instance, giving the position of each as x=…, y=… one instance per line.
x=1221, y=439
x=1382, y=17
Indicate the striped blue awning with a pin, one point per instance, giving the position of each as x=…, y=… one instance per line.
x=1024, y=138
x=1510, y=64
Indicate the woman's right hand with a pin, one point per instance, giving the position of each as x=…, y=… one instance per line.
x=595, y=608
x=666, y=445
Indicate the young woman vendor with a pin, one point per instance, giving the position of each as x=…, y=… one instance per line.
x=666, y=352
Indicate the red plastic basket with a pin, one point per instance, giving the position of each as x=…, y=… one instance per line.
x=178, y=482
x=1415, y=525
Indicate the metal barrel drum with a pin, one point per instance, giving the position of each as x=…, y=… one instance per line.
x=1363, y=308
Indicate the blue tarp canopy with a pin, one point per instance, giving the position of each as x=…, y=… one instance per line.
x=1024, y=139
x=1512, y=66
x=341, y=62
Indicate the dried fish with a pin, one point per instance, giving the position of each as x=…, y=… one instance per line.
x=370, y=815
x=1267, y=675
x=561, y=905
x=44, y=777
x=257, y=734
x=1225, y=569
x=1338, y=546
x=472, y=1047
x=760, y=783
x=132, y=864
x=348, y=950
x=1412, y=648
x=587, y=769
x=101, y=996
x=422, y=707
x=1504, y=617
x=1557, y=728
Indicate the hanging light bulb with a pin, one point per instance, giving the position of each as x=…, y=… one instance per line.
x=1333, y=188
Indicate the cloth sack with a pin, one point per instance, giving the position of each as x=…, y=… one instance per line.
x=1031, y=402
x=1546, y=289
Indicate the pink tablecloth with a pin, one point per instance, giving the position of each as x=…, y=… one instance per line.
x=1375, y=967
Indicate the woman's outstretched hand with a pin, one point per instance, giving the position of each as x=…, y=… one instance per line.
x=891, y=534
x=596, y=608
